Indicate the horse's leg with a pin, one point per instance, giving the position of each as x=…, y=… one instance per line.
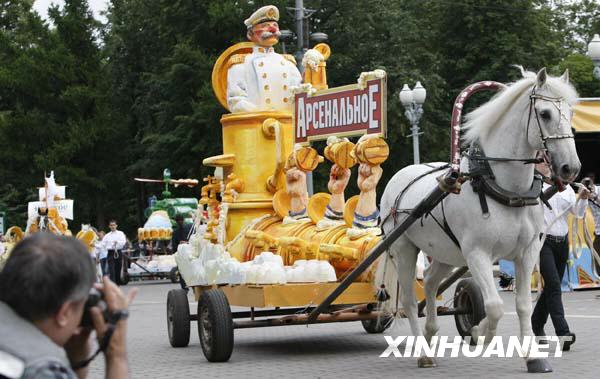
x=481, y=269
x=434, y=274
x=523, y=270
x=406, y=259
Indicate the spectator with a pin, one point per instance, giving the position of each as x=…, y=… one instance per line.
x=43, y=291
x=180, y=234
x=114, y=242
x=589, y=181
x=553, y=259
x=102, y=253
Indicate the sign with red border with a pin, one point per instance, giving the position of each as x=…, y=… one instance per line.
x=343, y=111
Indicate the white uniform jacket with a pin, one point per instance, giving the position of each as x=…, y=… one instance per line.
x=261, y=81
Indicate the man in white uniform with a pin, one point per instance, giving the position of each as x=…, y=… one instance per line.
x=114, y=242
x=262, y=80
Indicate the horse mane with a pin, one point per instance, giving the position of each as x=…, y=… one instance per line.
x=481, y=121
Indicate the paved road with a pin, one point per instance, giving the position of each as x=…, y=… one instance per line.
x=336, y=350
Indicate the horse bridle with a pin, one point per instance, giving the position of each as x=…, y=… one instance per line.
x=545, y=158
x=557, y=102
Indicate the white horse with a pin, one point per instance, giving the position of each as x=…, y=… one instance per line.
x=530, y=115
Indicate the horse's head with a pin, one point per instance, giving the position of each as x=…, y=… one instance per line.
x=549, y=122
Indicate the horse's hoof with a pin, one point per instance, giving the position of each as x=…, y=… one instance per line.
x=426, y=362
x=538, y=365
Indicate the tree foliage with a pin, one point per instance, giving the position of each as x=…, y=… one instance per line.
x=101, y=104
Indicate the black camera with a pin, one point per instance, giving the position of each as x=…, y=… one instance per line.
x=95, y=299
x=587, y=182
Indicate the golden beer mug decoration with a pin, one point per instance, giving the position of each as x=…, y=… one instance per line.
x=371, y=151
x=341, y=154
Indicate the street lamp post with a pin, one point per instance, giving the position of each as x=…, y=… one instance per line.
x=302, y=35
x=413, y=100
x=594, y=54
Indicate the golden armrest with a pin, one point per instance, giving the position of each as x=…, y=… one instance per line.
x=337, y=251
x=261, y=239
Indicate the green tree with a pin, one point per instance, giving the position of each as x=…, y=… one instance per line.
x=579, y=20
x=581, y=74
x=53, y=106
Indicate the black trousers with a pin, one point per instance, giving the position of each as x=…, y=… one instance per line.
x=115, y=265
x=553, y=261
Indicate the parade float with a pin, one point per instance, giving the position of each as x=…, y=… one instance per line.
x=152, y=259
x=49, y=214
x=267, y=245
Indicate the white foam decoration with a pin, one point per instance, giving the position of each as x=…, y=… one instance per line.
x=216, y=266
x=312, y=58
x=313, y=271
x=297, y=274
x=222, y=227
x=299, y=262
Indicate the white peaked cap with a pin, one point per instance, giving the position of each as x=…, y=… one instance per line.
x=264, y=14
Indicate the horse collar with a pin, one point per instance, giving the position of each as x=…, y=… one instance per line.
x=484, y=183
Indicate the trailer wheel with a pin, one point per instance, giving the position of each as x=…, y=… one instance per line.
x=174, y=275
x=467, y=297
x=377, y=325
x=215, y=326
x=178, y=318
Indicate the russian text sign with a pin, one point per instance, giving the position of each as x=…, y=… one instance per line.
x=342, y=111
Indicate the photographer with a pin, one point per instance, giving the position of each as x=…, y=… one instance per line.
x=44, y=288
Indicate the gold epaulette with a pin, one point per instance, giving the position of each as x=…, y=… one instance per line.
x=290, y=58
x=236, y=59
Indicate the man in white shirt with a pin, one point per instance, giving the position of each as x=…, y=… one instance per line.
x=114, y=241
x=553, y=258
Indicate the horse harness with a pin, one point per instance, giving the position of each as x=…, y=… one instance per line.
x=443, y=224
x=483, y=182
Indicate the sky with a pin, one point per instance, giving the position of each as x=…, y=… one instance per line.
x=41, y=6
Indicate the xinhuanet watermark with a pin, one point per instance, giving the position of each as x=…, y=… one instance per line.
x=499, y=347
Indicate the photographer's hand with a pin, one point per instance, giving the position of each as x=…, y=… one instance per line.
x=116, y=352
x=584, y=193
x=78, y=349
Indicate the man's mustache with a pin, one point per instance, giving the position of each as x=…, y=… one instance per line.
x=267, y=35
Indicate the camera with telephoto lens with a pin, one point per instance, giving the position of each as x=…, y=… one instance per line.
x=587, y=182
x=95, y=299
